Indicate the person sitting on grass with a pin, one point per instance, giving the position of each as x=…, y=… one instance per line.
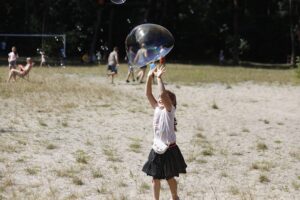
x=22, y=71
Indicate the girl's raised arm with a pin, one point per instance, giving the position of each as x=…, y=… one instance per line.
x=152, y=100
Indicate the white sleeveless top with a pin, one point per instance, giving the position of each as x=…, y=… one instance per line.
x=163, y=125
x=113, y=58
x=12, y=56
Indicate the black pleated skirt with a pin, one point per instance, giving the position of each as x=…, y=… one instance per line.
x=165, y=166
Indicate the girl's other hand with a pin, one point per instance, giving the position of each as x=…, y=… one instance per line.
x=152, y=72
x=160, y=71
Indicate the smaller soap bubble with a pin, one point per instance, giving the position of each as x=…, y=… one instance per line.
x=79, y=27
x=118, y=1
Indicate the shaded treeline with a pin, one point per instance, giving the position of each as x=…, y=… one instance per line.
x=256, y=30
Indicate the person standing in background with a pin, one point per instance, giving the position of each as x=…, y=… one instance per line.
x=113, y=63
x=12, y=58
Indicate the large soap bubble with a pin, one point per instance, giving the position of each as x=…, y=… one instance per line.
x=118, y=1
x=147, y=43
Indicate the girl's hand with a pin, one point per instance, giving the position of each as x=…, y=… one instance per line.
x=160, y=71
x=152, y=72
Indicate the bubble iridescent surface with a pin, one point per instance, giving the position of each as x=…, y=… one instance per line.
x=118, y=1
x=147, y=43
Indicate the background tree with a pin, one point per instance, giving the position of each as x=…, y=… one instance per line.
x=251, y=30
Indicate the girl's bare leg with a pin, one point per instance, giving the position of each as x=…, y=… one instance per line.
x=156, y=188
x=173, y=188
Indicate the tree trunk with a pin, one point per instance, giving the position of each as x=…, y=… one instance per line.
x=292, y=35
x=96, y=33
x=149, y=14
x=236, y=33
x=110, y=28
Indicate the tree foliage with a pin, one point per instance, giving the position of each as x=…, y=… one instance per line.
x=252, y=30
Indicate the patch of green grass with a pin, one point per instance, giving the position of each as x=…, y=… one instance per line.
x=144, y=186
x=264, y=179
x=262, y=166
x=102, y=190
x=215, y=106
x=97, y=173
x=185, y=105
x=81, y=157
x=32, y=170
x=51, y=146
x=111, y=154
x=208, y=152
x=88, y=143
x=135, y=147
x=42, y=123
x=245, y=130
x=191, y=157
x=295, y=154
x=297, y=71
x=201, y=161
x=6, y=183
x=122, y=184
x=199, y=136
x=69, y=172
x=261, y=146
x=296, y=185
x=77, y=181
x=234, y=190
x=9, y=148
x=237, y=154
x=65, y=123
x=224, y=174
x=70, y=105
x=22, y=141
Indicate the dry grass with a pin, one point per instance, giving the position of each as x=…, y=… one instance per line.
x=52, y=87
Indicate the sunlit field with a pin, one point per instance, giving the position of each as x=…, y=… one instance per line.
x=185, y=74
x=68, y=133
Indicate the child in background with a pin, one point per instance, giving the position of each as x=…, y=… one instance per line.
x=113, y=63
x=43, y=59
x=130, y=57
x=12, y=58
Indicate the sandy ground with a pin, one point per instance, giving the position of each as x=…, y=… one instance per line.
x=240, y=142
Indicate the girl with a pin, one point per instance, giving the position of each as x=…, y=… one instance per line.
x=171, y=163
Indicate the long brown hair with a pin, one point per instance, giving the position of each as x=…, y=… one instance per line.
x=174, y=102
